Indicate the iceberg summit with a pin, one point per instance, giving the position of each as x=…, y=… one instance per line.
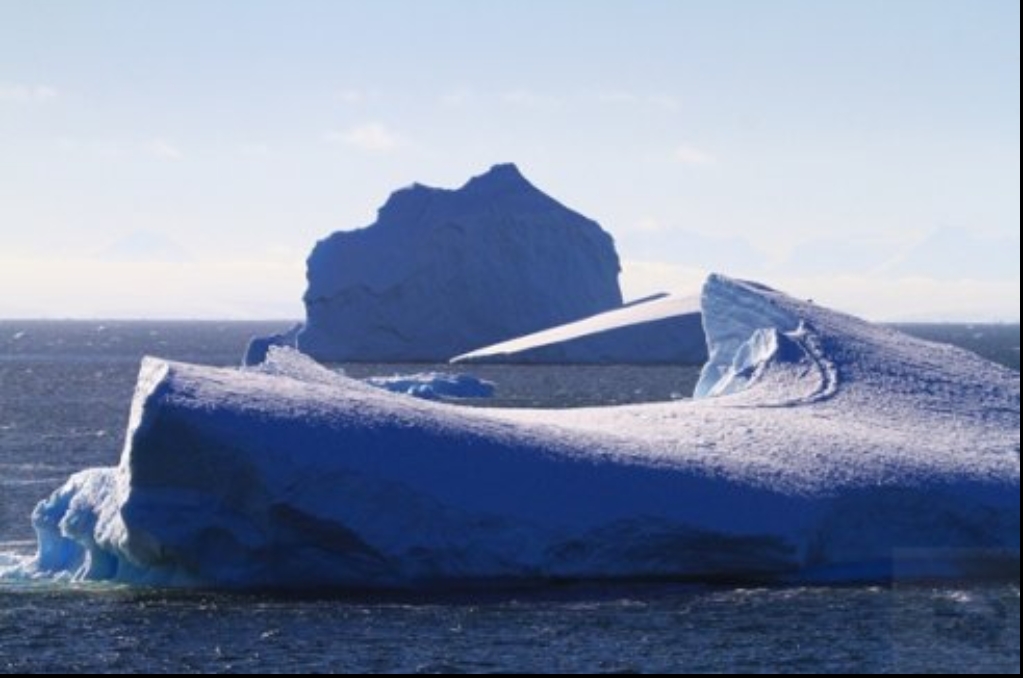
x=822, y=449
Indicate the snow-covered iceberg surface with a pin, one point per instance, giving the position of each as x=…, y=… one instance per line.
x=444, y=271
x=841, y=451
x=662, y=330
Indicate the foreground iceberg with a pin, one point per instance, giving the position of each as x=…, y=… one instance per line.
x=662, y=330
x=834, y=450
x=441, y=272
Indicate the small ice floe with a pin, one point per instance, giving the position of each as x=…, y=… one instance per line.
x=435, y=385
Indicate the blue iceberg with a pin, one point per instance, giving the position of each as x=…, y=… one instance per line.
x=822, y=449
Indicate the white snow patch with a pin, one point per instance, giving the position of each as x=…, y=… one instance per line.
x=663, y=329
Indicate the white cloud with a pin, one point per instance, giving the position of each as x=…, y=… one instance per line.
x=372, y=137
x=668, y=102
x=649, y=225
x=27, y=94
x=106, y=149
x=617, y=97
x=689, y=155
x=356, y=97
x=457, y=98
x=163, y=149
x=664, y=102
x=527, y=99
x=254, y=150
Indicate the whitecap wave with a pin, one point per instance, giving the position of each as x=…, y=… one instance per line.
x=14, y=559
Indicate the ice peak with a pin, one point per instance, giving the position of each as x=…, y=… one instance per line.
x=502, y=171
x=501, y=177
x=504, y=180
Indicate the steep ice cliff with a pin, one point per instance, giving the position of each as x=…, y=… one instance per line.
x=444, y=271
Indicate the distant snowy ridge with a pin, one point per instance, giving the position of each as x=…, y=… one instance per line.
x=837, y=451
x=441, y=272
x=663, y=330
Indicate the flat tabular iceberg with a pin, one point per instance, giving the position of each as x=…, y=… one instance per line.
x=663, y=330
x=835, y=451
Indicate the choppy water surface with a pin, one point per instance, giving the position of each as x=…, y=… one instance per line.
x=64, y=394
x=664, y=630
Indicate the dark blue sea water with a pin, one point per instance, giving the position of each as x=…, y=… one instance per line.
x=64, y=394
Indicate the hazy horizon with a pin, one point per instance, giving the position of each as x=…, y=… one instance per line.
x=290, y=321
x=179, y=161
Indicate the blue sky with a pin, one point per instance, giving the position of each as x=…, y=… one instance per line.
x=179, y=159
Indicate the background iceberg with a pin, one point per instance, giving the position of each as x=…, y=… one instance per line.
x=843, y=451
x=442, y=272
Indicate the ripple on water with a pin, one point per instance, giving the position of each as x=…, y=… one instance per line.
x=871, y=630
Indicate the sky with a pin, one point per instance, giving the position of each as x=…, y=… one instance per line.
x=180, y=159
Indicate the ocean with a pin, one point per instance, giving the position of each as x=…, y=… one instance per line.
x=65, y=388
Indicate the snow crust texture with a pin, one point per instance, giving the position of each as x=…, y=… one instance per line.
x=822, y=449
